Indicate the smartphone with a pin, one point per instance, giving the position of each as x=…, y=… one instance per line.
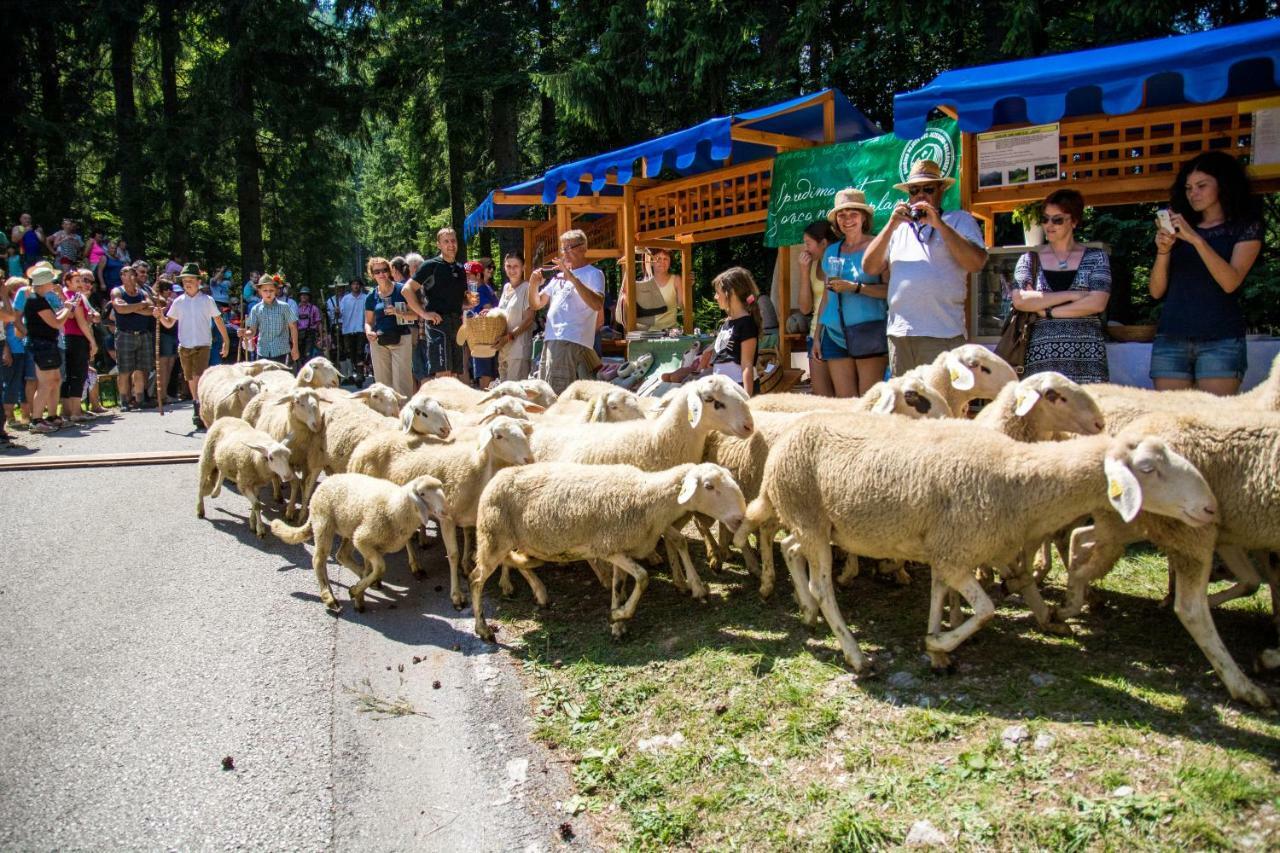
x=1164, y=220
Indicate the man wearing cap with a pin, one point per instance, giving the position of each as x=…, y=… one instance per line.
x=444, y=284
x=191, y=313
x=135, y=346
x=308, y=323
x=928, y=256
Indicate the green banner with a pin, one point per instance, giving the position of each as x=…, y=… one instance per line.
x=806, y=182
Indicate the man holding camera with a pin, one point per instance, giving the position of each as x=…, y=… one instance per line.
x=574, y=290
x=927, y=255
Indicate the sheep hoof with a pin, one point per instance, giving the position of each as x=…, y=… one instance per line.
x=1253, y=695
x=332, y=604
x=766, y=593
x=1060, y=629
x=358, y=604
x=618, y=630
x=902, y=578
x=940, y=663
x=485, y=633
x=508, y=591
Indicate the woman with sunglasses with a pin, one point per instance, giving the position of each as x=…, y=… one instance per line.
x=1068, y=285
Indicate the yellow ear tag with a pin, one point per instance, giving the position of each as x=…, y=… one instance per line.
x=955, y=374
x=692, y=416
x=1114, y=488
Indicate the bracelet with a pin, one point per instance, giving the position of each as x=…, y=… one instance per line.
x=1048, y=313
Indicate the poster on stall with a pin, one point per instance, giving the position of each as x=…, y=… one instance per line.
x=805, y=183
x=1266, y=137
x=1024, y=156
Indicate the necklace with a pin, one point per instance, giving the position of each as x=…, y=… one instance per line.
x=1062, y=262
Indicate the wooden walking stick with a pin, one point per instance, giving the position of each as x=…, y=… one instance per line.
x=159, y=391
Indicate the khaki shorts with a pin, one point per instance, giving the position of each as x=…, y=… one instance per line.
x=194, y=360
x=906, y=353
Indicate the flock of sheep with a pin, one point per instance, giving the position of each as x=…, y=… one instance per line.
x=901, y=474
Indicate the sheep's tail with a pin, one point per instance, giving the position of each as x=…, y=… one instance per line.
x=289, y=534
x=759, y=512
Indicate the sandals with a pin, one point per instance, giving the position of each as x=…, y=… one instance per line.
x=43, y=427
x=638, y=367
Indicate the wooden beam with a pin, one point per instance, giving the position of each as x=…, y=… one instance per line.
x=949, y=111
x=829, y=120
x=100, y=460
x=603, y=254
x=506, y=198
x=628, y=218
x=512, y=223
x=721, y=233
x=686, y=282
x=528, y=251
x=780, y=141
x=564, y=221
x=783, y=307
x=672, y=245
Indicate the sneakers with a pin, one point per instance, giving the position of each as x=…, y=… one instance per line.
x=21, y=426
x=43, y=427
x=195, y=420
x=146, y=404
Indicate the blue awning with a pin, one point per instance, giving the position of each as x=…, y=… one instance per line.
x=697, y=149
x=1195, y=68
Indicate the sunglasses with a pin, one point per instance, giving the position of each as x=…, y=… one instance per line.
x=927, y=189
x=382, y=271
x=1060, y=219
x=571, y=245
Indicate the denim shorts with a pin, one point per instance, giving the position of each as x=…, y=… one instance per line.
x=832, y=347
x=1193, y=358
x=168, y=344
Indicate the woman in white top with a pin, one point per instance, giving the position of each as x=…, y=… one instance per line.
x=516, y=349
x=658, y=280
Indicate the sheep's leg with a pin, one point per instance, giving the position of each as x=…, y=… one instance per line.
x=696, y=587
x=308, y=489
x=962, y=580
x=1043, y=560
x=217, y=483
x=714, y=557
x=823, y=589
x=620, y=616
x=599, y=572
x=448, y=532
x=478, y=576
x=1191, y=603
x=797, y=567
x=1021, y=580
x=468, y=545
x=677, y=569
x=377, y=567
x=938, y=592
x=768, y=573
x=1247, y=578
x=256, y=523
x=412, y=555
x=1090, y=558
x=319, y=561
x=896, y=569
x=504, y=581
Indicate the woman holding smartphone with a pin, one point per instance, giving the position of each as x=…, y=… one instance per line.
x=1199, y=271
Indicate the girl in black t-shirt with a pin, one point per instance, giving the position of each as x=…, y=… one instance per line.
x=734, y=351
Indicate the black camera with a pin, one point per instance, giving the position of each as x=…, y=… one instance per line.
x=917, y=213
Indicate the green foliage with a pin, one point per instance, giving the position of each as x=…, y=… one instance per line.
x=1028, y=215
x=852, y=830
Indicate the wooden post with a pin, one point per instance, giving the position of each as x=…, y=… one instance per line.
x=686, y=282
x=527, y=233
x=829, y=120
x=627, y=216
x=783, y=306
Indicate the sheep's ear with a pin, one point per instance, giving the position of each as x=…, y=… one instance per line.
x=486, y=437
x=257, y=448
x=1024, y=400
x=362, y=394
x=287, y=441
x=493, y=413
x=961, y=376
x=307, y=374
x=534, y=408
x=687, y=488
x=407, y=415
x=596, y=413
x=888, y=400
x=527, y=427
x=695, y=408
x=1123, y=489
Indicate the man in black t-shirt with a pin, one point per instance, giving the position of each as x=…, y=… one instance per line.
x=444, y=284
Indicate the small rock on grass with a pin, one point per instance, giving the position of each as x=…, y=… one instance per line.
x=902, y=680
x=1014, y=735
x=925, y=834
x=1043, y=742
x=1042, y=679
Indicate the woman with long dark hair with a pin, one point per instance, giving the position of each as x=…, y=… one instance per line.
x=1199, y=271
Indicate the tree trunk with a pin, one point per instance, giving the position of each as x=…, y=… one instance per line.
x=175, y=190
x=546, y=107
x=58, y=191
x=504, y=120
x=248, y=188
x=454, y=118
x=123, y=38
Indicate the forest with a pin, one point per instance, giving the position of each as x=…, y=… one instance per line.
x=286, y=134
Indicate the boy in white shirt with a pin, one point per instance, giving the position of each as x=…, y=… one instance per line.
x=191, y=312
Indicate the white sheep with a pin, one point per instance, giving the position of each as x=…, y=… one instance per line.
x=458, y=396
x=553, y=512
x=611, y=406
x=586, y=390
x=319, y=372
x=375, y=516
x=347, y=423
x=225, y=392
x=382, y=399
x=952, y=495
x=294, y=413
x=1122, y=404
x=1238, y=452
x=234, y=450
x=502, y=407
x=464, y=465
x=539, y=391
x=259, y=366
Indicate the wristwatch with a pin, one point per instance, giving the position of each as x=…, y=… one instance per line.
x=1048, y=314
x=859, y=290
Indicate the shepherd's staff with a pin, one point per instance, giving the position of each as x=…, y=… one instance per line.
x=159, y=391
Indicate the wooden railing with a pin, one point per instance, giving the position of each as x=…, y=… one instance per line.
x=726, y=198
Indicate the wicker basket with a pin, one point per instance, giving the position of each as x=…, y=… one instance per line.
x=1132, y=334
x=482, y=333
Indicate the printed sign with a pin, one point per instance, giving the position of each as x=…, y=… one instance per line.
x=1023, y=156
x=805, y=182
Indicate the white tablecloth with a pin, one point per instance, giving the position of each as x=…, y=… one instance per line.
x=1130, y=363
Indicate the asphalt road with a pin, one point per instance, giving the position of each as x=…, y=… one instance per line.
x=143, y=645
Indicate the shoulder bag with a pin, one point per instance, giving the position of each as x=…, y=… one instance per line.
x=1015, y=334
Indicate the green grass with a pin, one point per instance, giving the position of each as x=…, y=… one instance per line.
x=784, y=749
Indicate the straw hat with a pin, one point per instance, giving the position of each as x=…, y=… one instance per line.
x=925, y=172
x=41, y=273
x=850, y=199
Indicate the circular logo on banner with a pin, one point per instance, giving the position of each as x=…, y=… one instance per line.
x=934, y=145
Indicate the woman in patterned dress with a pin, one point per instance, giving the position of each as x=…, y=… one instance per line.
x=1070, y=290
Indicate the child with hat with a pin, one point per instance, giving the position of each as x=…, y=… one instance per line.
x=191, y=313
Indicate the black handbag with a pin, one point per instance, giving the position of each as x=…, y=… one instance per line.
x=389, y=337
x=1015, y=334
x=864, y=340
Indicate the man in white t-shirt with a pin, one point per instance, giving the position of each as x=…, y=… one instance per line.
x=928, y=256
x=576, y=296
x=351, y=323
x=191, y=313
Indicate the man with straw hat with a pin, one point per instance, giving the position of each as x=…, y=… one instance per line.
x=191, y=312
x=928, y=255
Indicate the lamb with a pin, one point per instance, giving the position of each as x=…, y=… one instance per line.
x=348, y=423
x=463, y=465
x=586, y=390
x=954, y=496
x=553, y=512
x=458, y=396
x=224, y=391
x=375, y=516
x=1041, y=406
x=319, y=372
x=234, y=450
x=382, y=399
x=502, y=407
x=611, y=406
x=539, y=391
x=259, y=367
x=295, y=413
x=1239, y=454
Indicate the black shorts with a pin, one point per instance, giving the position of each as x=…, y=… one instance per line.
x=45, y=353
x=453, y=357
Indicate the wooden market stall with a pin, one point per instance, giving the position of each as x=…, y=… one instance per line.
x=723, y=170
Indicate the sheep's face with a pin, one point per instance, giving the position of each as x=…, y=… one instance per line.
x=306, y=408
x=505, y=389
x=715, y=402
x=319, y=372
x=911, y=397
x=508, y=407
x=277, y=456
x=383, y=399
x=1058, y=405
x=262, y=365
x=1145, y=474
x=246, y=389
x=539, y=391
x=425, y=416
x=427, y=494
x=711, y=490
x=622, y=406
x=977, y=370
x=508, y=440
